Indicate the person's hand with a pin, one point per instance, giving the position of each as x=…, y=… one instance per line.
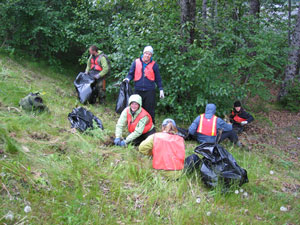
x=117, y=141
x=96, y=76
x=244, y=122
x=126, y=80
x=122, y=143
x=161, y=94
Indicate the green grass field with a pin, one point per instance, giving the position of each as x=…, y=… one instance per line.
x=73, y=178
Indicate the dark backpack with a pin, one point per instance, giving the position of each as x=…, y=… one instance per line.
x=33, y=102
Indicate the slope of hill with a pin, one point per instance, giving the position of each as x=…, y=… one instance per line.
x=74, y=178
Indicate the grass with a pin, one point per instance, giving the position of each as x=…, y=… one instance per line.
x=70, y=178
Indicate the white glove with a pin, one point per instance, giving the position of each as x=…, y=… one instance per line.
x=244, y=122
x=161, y=94
x=126, y=80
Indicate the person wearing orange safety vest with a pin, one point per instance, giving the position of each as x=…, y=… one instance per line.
x=145, y=73
x=99, y=68
x=138, y=122
x=168, y=151
x=239, y=117
x=206, y=125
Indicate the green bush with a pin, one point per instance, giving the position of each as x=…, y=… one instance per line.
x=292, y=100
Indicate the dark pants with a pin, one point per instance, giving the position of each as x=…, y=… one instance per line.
x=231, y=135
x=98, y=88
x=192, y=163
x=141, y=138
x=148, y=102
x=237, y=128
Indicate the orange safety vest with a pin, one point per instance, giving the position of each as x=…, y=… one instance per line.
x=132, y=124
x=207, y=127
x=94, y=64
x=168, y=152
x=238, y=119
x=149, y=72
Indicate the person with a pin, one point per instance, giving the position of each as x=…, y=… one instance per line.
x=145, y=73
x=239, y=117
x=138, y=121
x=98, y=67
x=205, y=127
x=168, y=151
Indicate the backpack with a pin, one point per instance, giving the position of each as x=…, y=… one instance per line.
x=33, y=102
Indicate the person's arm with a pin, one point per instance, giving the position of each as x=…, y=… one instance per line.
x=221, y=124
x=231, y=116
x=121, y=123
x=130, y=75
x=194, y=126
x=88, y=64
x=104, y=65
x=249, y=117
x=147, y=145
x=138, y=130
x=158, y=79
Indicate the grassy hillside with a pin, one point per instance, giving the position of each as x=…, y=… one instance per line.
x=73, y=178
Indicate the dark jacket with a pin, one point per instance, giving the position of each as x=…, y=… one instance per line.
x=144, y=84
x=210, y=110
x=242, y=113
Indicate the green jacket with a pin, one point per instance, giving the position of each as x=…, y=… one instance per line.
x=102, y=62
x=122, y=122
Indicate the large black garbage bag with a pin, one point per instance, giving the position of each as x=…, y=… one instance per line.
x=219, y=166
x=83, y=84
x=82, y=119
x=124, y=94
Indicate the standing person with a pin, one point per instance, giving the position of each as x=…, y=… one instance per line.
x=206, y=125
x=145, y=73
x=98, y=67
x=137, y=120
x=239, y=117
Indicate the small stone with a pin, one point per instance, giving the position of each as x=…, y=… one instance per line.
x=27, y=209
x=9, y=216
x=271, y=172
x=208, y=213
x=241, y=190
x=236, y=192
x=198, y=200
x=283, y=209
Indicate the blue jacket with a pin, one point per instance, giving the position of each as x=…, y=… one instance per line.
x=144, y=84
x=221, y=124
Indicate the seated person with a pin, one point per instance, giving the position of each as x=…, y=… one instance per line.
x=138, y=122
x=239, y=117
x=205, y=127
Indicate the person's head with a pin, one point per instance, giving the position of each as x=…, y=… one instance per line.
x=93, y=50
x=210, y=110
x=135, y=102
x=237, y=106
x=169, y=126
x=147, y=53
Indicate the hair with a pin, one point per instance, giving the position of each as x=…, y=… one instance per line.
x=94, y=48
x=169, y=128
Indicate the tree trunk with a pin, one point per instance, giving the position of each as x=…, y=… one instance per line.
x=204, y=9
x=188, y=17
x=254, y=8
x=292, y=69
x=289, y=19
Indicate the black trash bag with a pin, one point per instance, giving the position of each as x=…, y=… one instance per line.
x=83, y=85
x=82, y=119
x=123, y=99
x=219, y=166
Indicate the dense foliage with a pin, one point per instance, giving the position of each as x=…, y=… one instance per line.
x=232, y=57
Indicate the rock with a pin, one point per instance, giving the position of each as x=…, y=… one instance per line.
x=283, y=209
x=27, y=209
x=271, y=172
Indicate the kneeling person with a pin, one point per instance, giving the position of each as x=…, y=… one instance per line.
x=239, y=117
x=138, y=121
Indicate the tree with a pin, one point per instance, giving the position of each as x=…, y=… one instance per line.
x=292, y=69
x=254, y=8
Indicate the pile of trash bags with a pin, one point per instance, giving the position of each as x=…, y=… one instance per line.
x=83, y=85
x=123, y=98
x=219, y=166
x=82, y=119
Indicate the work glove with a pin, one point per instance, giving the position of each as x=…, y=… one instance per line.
x=117, y=141
x=122, y=143
x=161, y=94
x=244, y=122
x=126, y=80
x=97, y=76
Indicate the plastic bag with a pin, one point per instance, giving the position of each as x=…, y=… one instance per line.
x=124, y=94
x=83, y=84
x=219, y=166
x=82, y=119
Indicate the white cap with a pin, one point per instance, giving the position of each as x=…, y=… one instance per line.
x=148, y=49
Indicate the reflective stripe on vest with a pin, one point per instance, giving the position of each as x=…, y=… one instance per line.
x=238, y=119
x=132, y=124
x=95, y=65
x=149, y=72
x=207, y=127
x=168, y=152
